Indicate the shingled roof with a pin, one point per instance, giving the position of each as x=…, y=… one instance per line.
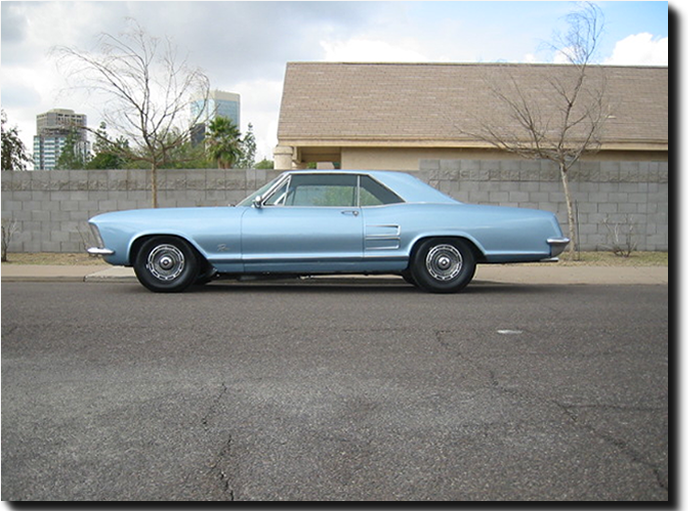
x=408, y=104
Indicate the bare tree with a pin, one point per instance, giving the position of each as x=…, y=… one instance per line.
x=9, y=227
x=621, y=236
x=564, y=118
x=146, y=90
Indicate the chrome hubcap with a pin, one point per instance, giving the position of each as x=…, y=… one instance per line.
x=166, y=262
x=444, y=262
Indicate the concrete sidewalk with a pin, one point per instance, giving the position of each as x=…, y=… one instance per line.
x=503, y=274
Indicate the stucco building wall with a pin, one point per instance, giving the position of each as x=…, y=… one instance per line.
x=409, y=158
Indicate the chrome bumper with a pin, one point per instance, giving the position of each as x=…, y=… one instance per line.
x=557, y=245
x=100, y=251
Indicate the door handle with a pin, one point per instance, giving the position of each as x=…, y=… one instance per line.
x=353, y=212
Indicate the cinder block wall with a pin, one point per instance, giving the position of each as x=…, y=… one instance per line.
x=616, y=192
x=52, y=208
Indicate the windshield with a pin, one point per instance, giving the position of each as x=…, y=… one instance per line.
x=248, y=201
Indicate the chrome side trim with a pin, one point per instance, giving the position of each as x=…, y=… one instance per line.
x=394, y=227
x=100, y=251
x=388, y=237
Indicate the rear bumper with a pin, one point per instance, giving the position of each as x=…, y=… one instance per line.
x=557, y=245
x=100, y=251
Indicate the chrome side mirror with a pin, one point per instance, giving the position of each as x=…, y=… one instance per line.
x=258, y=201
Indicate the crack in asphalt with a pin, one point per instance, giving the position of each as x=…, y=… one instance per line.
x=568, y=410
x=212, y=409
x=622, y=445
x=218, y=467
x=222, y=459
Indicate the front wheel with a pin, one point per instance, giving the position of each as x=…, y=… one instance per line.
x=408, y=277
x=443, y=265
x=165, y=264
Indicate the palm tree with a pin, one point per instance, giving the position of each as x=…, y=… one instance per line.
x=223, y=141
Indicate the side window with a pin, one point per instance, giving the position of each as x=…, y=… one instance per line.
x=374, y=194
x=333, y=190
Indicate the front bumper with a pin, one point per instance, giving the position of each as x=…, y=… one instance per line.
x=98, y=249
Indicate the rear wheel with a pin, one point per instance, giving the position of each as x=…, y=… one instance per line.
x=443, y=265
x=165, y=264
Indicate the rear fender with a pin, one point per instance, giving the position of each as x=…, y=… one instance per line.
x=478, y=249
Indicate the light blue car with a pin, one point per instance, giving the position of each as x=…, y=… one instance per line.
x=327, y=222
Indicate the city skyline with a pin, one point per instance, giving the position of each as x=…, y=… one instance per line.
x=53, y=129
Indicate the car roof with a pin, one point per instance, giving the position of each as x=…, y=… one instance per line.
x=407, y=186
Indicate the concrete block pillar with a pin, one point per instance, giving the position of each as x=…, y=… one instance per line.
x=283, y=155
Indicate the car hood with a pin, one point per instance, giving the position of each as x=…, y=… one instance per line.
x=165, y=215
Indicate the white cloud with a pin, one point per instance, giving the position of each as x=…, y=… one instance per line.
x=260, y=99
x=369, y=50
x=562, y=56
x=641, y=50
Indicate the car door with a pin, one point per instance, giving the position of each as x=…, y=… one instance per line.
x=310, y=224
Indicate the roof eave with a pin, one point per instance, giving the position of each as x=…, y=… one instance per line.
x=630, y=145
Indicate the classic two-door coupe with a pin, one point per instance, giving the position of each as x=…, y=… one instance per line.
x=327, y=222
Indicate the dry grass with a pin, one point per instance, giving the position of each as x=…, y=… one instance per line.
x=586, y=259
x=609, y=259
x=79, y=259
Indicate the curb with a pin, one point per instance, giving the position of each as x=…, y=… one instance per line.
x=114, y=274
x=485, y=274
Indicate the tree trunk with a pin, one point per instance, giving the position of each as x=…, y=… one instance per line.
x=154, y=184
x=563, y=171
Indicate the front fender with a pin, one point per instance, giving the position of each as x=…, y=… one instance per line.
x=136, y=242
x=215, y=233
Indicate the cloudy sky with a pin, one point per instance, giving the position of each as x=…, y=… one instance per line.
x=243, y=47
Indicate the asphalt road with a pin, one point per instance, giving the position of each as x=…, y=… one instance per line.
x=236, y=392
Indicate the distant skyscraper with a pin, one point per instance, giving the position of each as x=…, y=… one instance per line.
x=52, y=130
x=219, y=104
